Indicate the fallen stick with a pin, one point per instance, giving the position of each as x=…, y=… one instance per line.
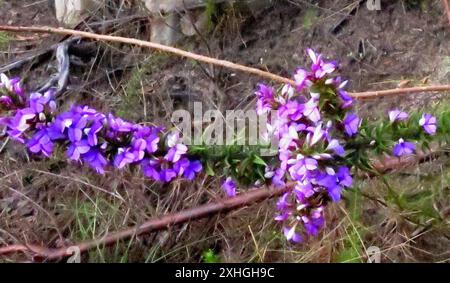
x=168, y=220
x=154, y=224
x=209, y=60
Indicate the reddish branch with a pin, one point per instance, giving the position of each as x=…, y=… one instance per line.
x=154, y=224
x=447, y=9
x=209, y=60
x=166, y=221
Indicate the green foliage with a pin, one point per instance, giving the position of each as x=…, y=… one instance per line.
x=211, y=12
x=5, y=38
x=379, y=137
x=242, y=162
x=309, y=18
x=353, y=247
x=210, y=256
x=132, y=96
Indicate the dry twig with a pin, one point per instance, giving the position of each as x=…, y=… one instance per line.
x=209, y=60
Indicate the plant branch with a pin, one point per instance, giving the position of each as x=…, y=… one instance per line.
x=209, y=60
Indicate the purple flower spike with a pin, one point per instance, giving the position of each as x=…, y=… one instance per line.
x=397, y=115
x=351, y=124
x=292, y=235
x=403, y=148
x=429, y=124
x=229, y=186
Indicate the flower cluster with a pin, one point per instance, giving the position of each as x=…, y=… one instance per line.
x=427, y=122
x=91, y=137
x=310, y=144
x=314, y=125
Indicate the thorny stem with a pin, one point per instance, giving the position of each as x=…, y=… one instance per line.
x=209, y=60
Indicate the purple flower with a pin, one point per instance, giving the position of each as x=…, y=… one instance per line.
x=174, y=154
x=303, y=189
x=76, y=128
x=12, y=85
x=93, y=131
x=317, y=134
x=229, y=187
x=96, y=160
x=20, y=120
x=346, y=100
x=311, y=110
x=403, y=148
x=194, y=168
x=6, y=101
x=76, y=149
x=429, y=123
x=337, y=148
x=180, y=166
x=313, y=224
x=319, y=67
x=39, y=101
x=124, y=157
x=188, y=169
x=301, y=79
x=344, y=177
x=289, y=138
x=351, y=124
x=291, y=234
x=301, y=166
x=119, y=125
x=167, y=175
x=397, y=115
x=265, y=95
x=158, y=170
x=41, y=143
x=150, y=167
x=176, y=148
x=277, y=177
x=291, y=110
x=152, y=143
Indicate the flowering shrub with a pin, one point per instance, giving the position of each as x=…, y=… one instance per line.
x=321, y=142
x=93, y=138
